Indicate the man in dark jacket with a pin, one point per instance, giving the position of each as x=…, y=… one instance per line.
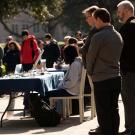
x=51, y=51
x=89, y=19
x=125, y=13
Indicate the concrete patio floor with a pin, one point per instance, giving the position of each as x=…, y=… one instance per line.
x=16, y=124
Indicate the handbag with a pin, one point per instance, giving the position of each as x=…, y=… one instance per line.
x=44, y=115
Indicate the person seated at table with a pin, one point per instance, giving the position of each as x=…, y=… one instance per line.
x=70, y=83
x=74, y=41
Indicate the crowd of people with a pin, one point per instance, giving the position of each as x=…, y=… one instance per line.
x=107, y=55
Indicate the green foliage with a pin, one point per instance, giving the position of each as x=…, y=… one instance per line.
x=40, y=9
x=72, y=14
x=2, y=70
x=73, y=18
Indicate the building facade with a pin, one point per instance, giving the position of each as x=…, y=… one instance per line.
x=23, y=21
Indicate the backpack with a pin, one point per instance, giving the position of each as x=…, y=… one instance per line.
x=41, y=111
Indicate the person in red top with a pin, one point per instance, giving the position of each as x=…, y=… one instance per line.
x=29, y=50
x=29, y=54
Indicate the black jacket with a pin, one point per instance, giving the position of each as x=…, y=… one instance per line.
x=84, y=49
x=10, y=59
x=51, y=54
x=127, y=60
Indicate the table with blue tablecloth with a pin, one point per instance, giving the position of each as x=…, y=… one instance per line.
x=38, y=83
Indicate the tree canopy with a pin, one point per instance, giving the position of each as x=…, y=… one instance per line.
x=67, y=12
x=72, y=12
x=42, y=10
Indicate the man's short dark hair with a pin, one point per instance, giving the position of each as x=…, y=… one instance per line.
x=25, y=33
x=72, y=40
x=70, y=53
x=103, y=14
x=48, y=35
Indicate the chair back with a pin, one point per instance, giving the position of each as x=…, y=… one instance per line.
x=91, y=83
x=18, y=68
x=82, y=83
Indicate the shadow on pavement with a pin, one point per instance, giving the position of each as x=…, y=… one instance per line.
x=29, y=125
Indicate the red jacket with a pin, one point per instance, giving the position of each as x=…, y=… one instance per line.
x=28, y=47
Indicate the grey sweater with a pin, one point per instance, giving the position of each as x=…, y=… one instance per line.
x=104, y=53
x=72, y=78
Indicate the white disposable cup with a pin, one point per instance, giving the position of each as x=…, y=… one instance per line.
x=43, y=62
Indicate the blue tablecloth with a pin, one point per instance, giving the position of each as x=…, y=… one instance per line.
x=41, y=83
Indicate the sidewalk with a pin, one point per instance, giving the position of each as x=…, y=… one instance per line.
x=71, y=126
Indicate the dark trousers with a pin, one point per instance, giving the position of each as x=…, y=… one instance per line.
x=57, y=93
x=128, y=97
x=26, y=68
x=106, y=98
